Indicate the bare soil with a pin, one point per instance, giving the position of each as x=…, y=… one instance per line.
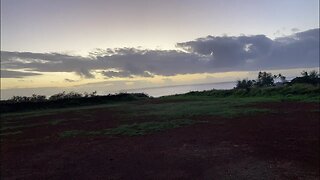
x=283, y=144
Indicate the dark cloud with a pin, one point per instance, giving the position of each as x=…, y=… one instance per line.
x=229, y=52
x=70, y=80
x=16, y=74
x=209, y=54
x=85, y=73
x=48, y=62
x=111, y=74
x=153, y=62
x=298, y=50
x=259, y=52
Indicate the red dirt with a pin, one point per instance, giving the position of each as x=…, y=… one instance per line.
x=279, y=145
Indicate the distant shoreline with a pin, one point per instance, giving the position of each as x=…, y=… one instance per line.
x=182, y=85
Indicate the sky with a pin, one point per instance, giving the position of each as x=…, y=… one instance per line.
x=127, y=44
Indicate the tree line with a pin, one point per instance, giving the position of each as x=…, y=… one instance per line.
x=58, y=96
x=266, y=79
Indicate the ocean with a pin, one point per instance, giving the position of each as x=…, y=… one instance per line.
x=180, y=89
x=151, y=91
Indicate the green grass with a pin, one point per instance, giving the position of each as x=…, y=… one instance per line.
x=153, y=115
x=167, y=114
x=132, y=129
x=37, y=113
x=22, y=126
x=294, y=90
x=16, y=125
x=56, y=122
x=10, y=133
x=223, y=107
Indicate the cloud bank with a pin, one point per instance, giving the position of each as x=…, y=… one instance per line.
x=209, y=54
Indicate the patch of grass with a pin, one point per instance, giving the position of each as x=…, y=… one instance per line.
x=147, y=127
x=10, y=133
x=32, y=140
x=132, y=129
x=21, y=126
x=295, y=90
x=13, y=127
x=24, y=115
x=223, y=107
x=71, y=133
x=55, y=122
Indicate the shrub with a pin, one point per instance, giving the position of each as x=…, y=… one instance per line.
x=307, y=78
x=265, y=79
x=33, y=98
x=244, y=84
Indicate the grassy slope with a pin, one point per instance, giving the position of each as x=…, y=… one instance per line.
x=152, y=115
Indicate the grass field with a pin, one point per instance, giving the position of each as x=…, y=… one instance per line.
x=161, y=113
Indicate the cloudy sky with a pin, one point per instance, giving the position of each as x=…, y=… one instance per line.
x=58, y=45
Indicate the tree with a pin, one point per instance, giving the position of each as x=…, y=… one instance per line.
x=33, y=98
x=244, y=84
x=37, y=98
x=304, y=74
x=265, y=79
x=313, y=74
x=312, y=77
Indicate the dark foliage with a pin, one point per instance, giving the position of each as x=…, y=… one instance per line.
x=308, y=84
x=296, y=89
x=244, y=84
x=33, y=98
x=265, y=79
x=62, y=100
x=312, y=77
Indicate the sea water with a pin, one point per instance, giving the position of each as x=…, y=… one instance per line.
x=180, y=89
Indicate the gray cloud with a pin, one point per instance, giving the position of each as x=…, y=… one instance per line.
x=295, y=30
x=209, y=54
x=229, y=52
x=47, y=62
x=70, y=80
x=16, y=74
x=111, y=74
x=259, y=52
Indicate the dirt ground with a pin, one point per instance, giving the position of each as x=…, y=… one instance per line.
x=283, y=144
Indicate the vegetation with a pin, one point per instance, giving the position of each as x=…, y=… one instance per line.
x=33, y=98
x=58, y=96
x=245, y=84
x=265, y=79
x=144, y=116
x=63, y=100
x=131, y=129
x=312, y=77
